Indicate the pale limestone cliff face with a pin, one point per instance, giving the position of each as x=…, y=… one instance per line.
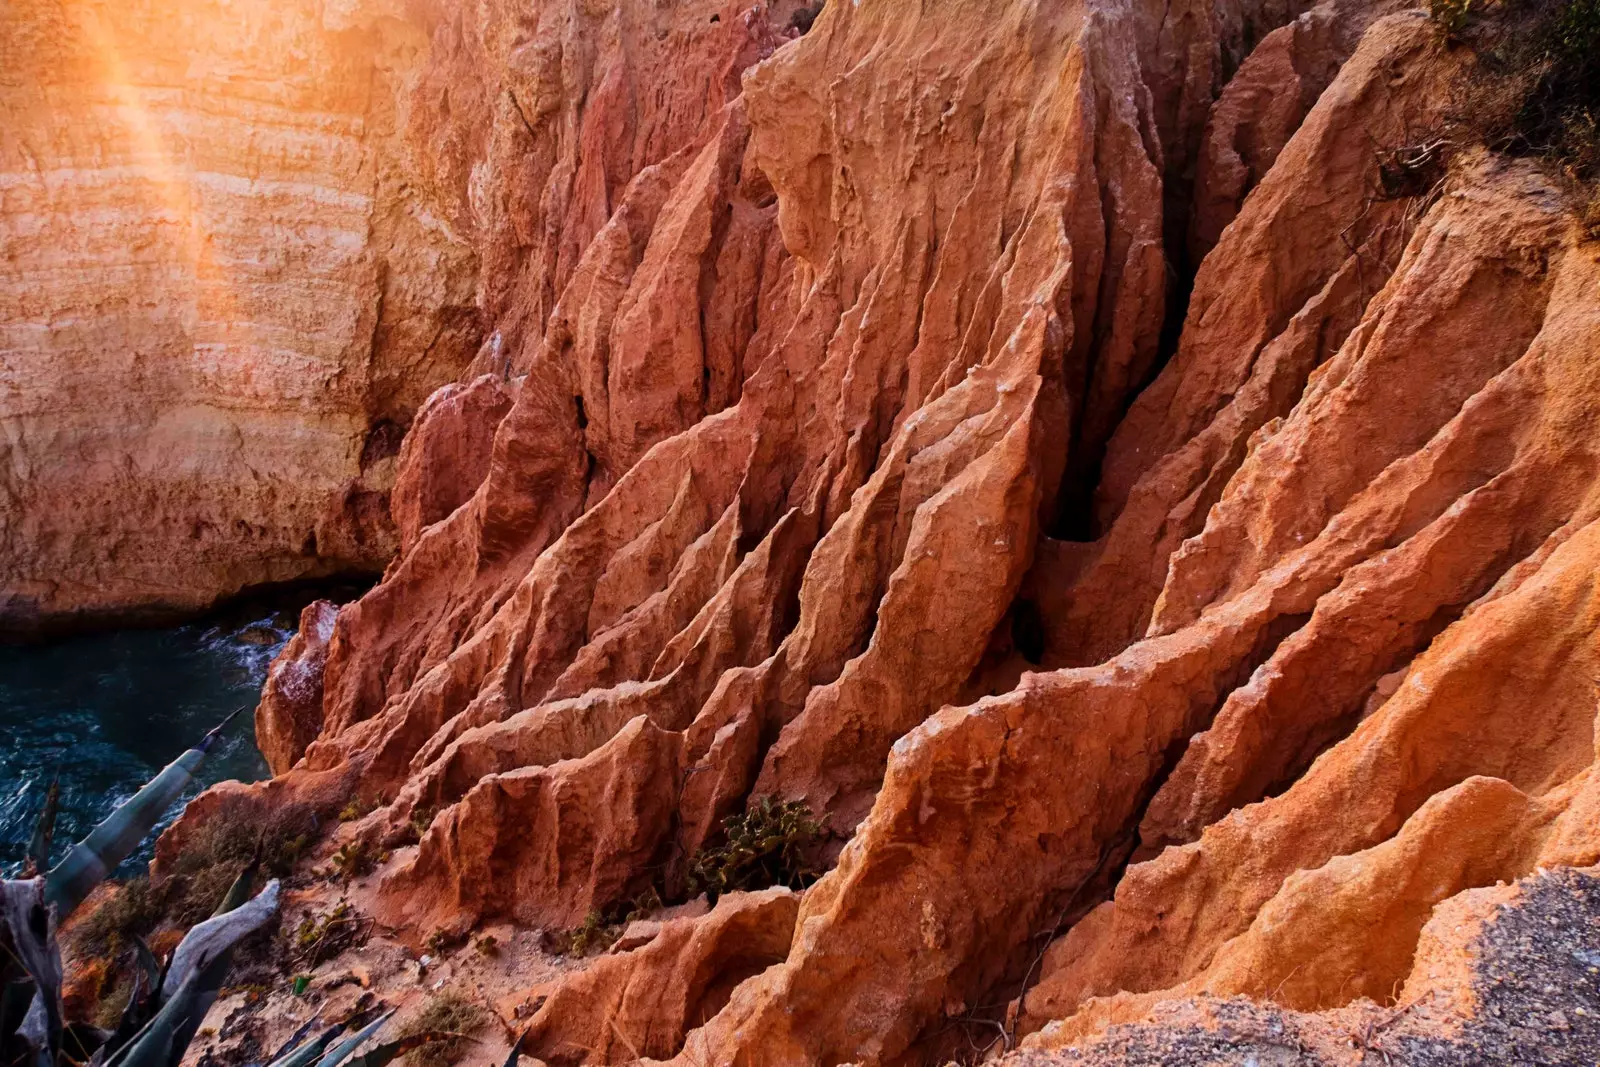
x=223, y=293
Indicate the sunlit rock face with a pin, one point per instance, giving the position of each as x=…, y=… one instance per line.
x=1026, y=434
x=223, y=293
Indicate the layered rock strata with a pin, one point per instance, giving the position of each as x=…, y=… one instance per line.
x=848, y=431
x=225, y=288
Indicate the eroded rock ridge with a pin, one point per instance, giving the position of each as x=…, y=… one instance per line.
x=1037, y=437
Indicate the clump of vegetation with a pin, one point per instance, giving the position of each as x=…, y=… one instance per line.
x=771, y=844
x=1450, y=16
x=445, y=940
x=448, y=1019
x=354, y=859
x=417, y=826
x=1534, y=89
x=601, y=929
x=212, y=857
x=162, y=1004
x=594, y=934
x=319, y=938
x=357, y=807
x=217, y=850
x=130, y=913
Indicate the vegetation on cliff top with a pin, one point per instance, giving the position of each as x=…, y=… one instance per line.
x=1534, y=89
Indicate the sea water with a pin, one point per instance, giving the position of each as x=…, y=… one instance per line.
x=106, y=711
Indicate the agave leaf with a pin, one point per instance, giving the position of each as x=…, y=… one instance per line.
x=44, y=830
x=516, y=1049
x=156, y=1044
x=28, y=929
x=234, y=919
x=135, y=1014
x=380, y=1055
x=208, y=984
x=209, y=940
x=149, y=966
x=239, y=891
x=297, y=1037
x=35, y=1030
x=341, y=1052
x=309, y=1052
x=92, y=860
x=14, y=1001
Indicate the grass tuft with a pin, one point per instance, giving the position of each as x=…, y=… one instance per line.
x=447, y=1012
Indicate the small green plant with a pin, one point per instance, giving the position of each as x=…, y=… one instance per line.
x=357, y=807
x=354, y=859
x=643, y=906
x=444, y=940
x=450, y=1019
x=417, y=826
x=770, y=844
x=109, y=1011
x=1591, y=217
x=594, y=934
x=487, y=945
x=1450, y=16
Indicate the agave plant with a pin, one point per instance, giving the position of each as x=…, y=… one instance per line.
x=92, y=860
x=315, y=1052
x=169, y=999
x=43, y=831
x=167, y=1003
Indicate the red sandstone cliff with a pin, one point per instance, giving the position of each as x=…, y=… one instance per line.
x=846, y=431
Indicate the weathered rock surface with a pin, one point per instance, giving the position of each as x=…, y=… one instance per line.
x=224, y=290
x=1503, y=974
x=849, y=429
x=642, y=1002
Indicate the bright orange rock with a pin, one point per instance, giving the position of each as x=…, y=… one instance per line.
x=836, y=439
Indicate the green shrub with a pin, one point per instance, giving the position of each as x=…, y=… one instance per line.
x=594, y=934
x=771, y=844
x=217, y=850
x=1450, y=16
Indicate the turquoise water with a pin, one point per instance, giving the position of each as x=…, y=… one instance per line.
x=107, y=711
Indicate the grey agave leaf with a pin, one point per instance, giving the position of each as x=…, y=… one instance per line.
x=29, y=929
x=238, y=908
x=156, y=1044
x=516, y=1049
x=91, y=861
x=297, y=1037
x=301, y=1055
x=382, y=1055
x=342, y=1051
x=209, y=940
x=45, y=829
